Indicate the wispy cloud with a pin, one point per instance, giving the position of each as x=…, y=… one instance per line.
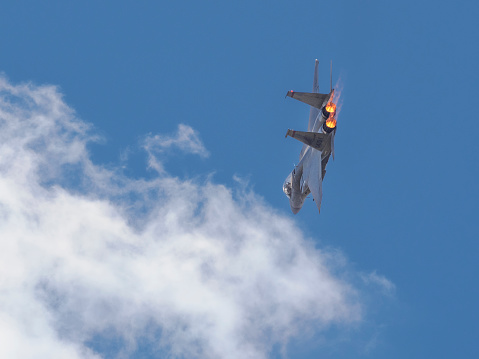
x=86, y=253
x=384, y=284
x=186, y=140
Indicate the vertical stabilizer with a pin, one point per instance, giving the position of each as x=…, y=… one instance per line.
x=315, y=79
x=331, y=77
x=313, y=112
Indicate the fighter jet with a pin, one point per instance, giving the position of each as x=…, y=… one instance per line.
x=318, y=145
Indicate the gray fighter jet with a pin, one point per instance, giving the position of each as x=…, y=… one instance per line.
x=307, y=176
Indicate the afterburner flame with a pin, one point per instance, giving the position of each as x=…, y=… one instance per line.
x=331, y=122
x=331, y=107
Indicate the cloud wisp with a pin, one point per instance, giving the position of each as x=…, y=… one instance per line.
x=186, y=140
x=385, y=285
x=194, y=268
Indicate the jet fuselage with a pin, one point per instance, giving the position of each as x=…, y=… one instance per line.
x=318, y=145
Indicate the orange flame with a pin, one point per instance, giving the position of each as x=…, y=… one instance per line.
x=334, y=107
x=331, y=122
x=331, y=107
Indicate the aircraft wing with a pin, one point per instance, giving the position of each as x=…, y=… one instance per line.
x=312, y=173
x=317, y=100
x=312, y=139
x=332, y=142
x=324, y=162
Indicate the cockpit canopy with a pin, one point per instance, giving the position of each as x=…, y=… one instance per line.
x=287, y=186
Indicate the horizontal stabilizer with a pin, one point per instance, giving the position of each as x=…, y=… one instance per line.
x=314, y=139
x=317, y=100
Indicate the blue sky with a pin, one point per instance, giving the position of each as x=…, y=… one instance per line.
x=400, y=200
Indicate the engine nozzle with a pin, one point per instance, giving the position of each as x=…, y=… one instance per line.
x=329, y=113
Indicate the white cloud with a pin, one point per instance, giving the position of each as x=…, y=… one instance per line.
x=384, y=284
x=85, y=252
x=186, y=139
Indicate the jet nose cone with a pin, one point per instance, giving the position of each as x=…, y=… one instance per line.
x=295, y=210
